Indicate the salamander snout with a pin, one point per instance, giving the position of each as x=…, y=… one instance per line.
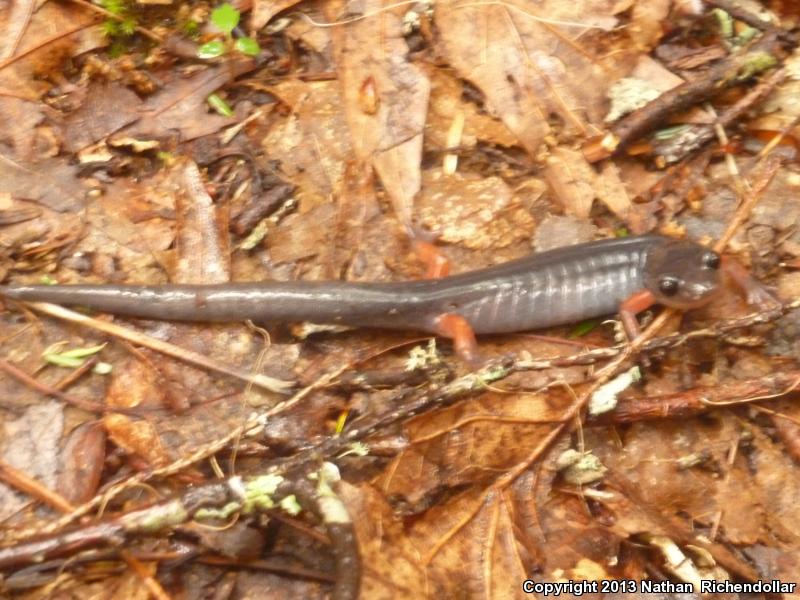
x=682, y=274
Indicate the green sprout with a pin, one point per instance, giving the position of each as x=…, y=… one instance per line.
x=225, y=18
x=218, y=104
x=70, y=359
x=122, y=24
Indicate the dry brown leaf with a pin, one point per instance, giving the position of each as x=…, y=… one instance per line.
x=55, y=33
x=52, y=182
x=647, y=19
x=391, y=562
x=107, y=108
x=465, y=445
x=202, y=243
x=611, y=191
x=313, y=143
x=30, y=442
x=533, y=61
x=82, y=461
x=576, y=185
x=559, y=231
x=136, y=437
x=475, y=212
x=264, y=10
x=181, y=107
x=18, y=119
x=446, y=100
x=570, y=178
x=775, y=484
x=14, y=20
x=384, y=96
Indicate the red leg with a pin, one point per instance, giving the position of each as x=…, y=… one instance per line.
x=752, y=290
x=630, y=307
x=458, y=329
x=437, y=263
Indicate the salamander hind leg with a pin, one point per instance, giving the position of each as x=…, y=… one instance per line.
x=458, y=329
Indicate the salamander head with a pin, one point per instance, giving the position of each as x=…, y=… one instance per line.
x=682, y=274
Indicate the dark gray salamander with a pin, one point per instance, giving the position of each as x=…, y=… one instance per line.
x=546, y=289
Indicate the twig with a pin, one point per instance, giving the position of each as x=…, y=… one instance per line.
x=773, y=143
x=677, y=148
x=47, y=390
x=114, y=17
x=263, y=381
x=213, y=501
x=768, y=170
x=53, y=38
x=428, y=400
x=409, y=406
x=24, y=483
x=569, y=418
x=741, y=14
x=720, y=76
x=701, y=399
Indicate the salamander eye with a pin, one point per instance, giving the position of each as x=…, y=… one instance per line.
x=711, y=260
x=669, y=285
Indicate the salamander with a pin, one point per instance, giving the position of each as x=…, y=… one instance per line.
x=556, y=287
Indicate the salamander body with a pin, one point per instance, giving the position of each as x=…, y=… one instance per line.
x=542, y=290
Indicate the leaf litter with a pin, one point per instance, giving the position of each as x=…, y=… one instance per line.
x=478, y=122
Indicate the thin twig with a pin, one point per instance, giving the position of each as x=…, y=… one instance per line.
x=263, y=381
x=119, y=18
x=741, y=14
x=47, y=390
x=768, y=170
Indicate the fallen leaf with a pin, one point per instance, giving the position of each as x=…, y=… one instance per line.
x=108, y=108
x=371, y=57
x=531, y=63
x=202, y=243
x=180, y=107
x=264, y=10
x=52, y=182
x=31, y=444
x=475, y=212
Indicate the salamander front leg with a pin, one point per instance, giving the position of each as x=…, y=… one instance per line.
x=632, y=306
x=458, y=329
x=753, y=292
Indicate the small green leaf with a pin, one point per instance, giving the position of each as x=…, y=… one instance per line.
x=248, y=46
x=71, y=359
x=291, y=505
x=48, y=280
x=83, y=352
x=63, y=361
x=724, y=22
x=211, y=49
x=225, y=17
x=219, y=105
x=582, y=328
x=669, y=133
